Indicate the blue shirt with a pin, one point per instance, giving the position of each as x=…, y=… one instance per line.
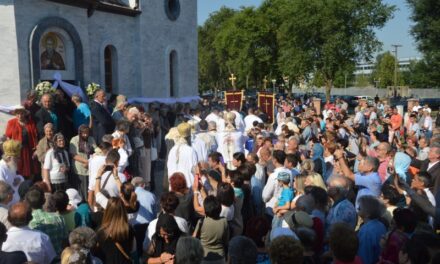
x=81, y=115
x=54, y=118
x=370, y=184
x=286, y=196
x=369, y=236
x=147, y=208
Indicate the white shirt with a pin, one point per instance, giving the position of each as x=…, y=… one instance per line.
x=249, y=120
x=272, y=189
x=423, y=153
x=9, y=177
x=127, y=145
x=428, y=123
x=201, y=146
x=4, y=216
x=239, y=124
x=111, y=187
x=182, y=158
x=181, y=223
x=416, y=108
x=95, y=162
x=51, y=163
x=123, y=160
x=35, y=244
x=228, y=212
x=212, y=117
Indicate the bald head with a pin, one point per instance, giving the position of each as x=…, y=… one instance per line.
x=338, y=181
x=20, y=214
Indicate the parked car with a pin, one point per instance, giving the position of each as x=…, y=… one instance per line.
x=369, y=99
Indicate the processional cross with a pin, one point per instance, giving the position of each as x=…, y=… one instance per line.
x=232, y=79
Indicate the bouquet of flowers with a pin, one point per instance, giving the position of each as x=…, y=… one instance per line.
x=91, y=89
x=43, y=88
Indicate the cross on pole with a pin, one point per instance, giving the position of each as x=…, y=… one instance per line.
x=232, y=79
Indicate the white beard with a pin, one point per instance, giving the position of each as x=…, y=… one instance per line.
x=12, y=165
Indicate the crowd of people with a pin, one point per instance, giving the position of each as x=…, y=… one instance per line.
x=78, y=182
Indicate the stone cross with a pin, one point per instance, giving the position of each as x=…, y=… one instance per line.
x=232, y=79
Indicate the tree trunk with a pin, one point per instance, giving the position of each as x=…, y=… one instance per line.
x=247, y=82
x=328, y=89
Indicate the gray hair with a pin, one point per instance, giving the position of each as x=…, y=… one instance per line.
x=189, y=250
x=47, y=125
x=5, y=190
x=372, y=207
x=242, y=250
x=138, y=181
x=294, y=138
x=340, y=183
x=374, y=162
x=83, y=236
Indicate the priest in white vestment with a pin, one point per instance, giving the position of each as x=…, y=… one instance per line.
x=230, y=140
x=182, y=157
x=8, y=167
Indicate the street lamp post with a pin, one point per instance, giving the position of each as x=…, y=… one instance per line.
x=396, y=46
x=274, y=81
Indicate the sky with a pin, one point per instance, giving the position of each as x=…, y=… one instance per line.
x=396, y=31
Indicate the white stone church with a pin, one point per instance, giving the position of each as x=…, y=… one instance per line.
x=141, y=48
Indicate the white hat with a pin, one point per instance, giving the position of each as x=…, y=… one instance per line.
x=74, y=197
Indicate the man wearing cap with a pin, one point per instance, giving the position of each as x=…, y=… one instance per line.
x=182, y=157
x=8, y=166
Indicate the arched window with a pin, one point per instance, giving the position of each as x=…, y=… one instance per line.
x=110, y=69
x=173, y=74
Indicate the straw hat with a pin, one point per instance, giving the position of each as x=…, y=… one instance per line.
x=184, y=129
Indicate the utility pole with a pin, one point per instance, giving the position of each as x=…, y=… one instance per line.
x=396, y=64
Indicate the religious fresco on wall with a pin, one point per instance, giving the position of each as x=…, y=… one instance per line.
x=52, y=52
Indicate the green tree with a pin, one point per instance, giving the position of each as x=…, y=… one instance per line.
x=246, y=42
x=384, y=70
x=328, y=36
x=212, y=70
x=426, y=31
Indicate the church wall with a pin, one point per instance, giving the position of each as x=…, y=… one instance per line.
x=159, y=36
x=122, y=33
x=143, y=45
x=9, y=60
x=29, y=14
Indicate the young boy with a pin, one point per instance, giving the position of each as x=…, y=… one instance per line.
x=283, y=203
